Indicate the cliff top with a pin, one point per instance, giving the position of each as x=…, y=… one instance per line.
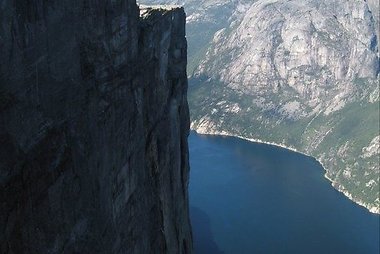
x=146, y=10
x=166, y=7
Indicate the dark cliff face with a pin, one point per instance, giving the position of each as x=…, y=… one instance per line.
x=93, y=128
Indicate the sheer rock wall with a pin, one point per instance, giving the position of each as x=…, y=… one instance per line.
x=93, y=128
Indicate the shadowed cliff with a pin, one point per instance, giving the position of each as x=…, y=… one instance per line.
x=93, y=128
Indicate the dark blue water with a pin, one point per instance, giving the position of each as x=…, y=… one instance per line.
x=255, y=198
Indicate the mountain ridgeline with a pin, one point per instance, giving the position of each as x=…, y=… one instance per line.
x=302, y=74
x=93, y=128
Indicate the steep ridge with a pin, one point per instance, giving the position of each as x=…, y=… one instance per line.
x=302, y=74
x=93, y=126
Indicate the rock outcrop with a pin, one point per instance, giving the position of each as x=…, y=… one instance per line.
x=93, y=128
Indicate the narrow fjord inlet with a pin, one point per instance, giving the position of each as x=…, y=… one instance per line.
x=255, y=198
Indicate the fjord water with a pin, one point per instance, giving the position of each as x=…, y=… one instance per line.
x=254, y=198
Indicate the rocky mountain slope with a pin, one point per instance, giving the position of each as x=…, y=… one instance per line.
x=93, y=128
x=303, y=74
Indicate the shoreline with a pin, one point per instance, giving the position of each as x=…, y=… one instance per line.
x=334, y=184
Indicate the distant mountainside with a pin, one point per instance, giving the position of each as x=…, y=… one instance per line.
x=304, y=74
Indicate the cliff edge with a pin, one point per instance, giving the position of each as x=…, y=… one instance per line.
x=93, y=128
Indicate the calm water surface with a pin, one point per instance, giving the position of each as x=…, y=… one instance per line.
x=254, y=198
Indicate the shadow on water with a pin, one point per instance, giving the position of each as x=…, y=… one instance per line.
x=204, y=242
